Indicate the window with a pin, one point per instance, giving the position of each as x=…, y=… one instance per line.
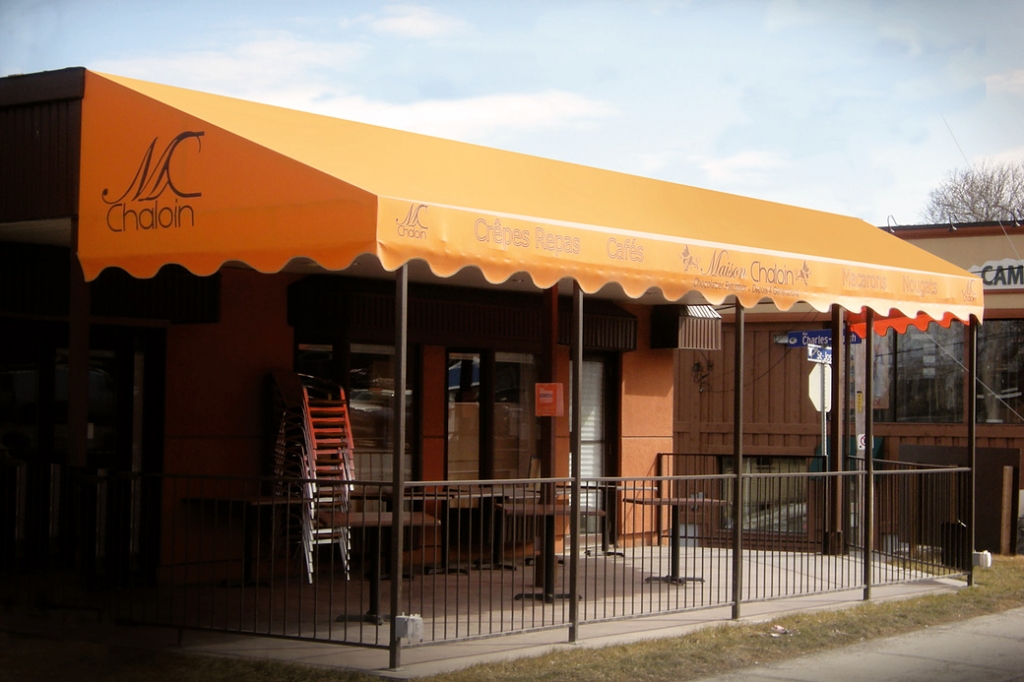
x=1000, y=354
x=463, y=416
x=771, y=504
x=492, y=428
x=515, y=425
x=102, y=440
x=924, y=374
x=19, y=406
x=370, y=401
x=371, y=389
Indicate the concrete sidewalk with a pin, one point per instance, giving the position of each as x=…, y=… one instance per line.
x=990, y=648
x=422, y=661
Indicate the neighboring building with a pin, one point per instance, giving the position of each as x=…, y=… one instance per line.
x=993, y=251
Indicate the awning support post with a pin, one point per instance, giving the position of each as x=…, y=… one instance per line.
x=834, y=532
x=868, y=515
x=850, y=445
x=737, y=445
x=549, y=426
x=85, y=526
x=78, y=366
x=575, y=445
x=398, y=454
x=972, y=444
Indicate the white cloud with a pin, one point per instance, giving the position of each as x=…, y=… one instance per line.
x=283, y=71
x=474, y=118
x=781, y=15
x=257, y=69
x=1006, y=156
x=1010, y=82
x=652, y=164
x=411, y=21
x=903, y=34
x=750, y=167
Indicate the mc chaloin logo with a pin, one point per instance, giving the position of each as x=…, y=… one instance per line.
x=152, y=200
x=411, y=226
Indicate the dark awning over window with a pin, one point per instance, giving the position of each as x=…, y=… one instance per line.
x=694, y=327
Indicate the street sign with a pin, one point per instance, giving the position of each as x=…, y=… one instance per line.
x=817, y=337
x=819, y=387
x=819, y=354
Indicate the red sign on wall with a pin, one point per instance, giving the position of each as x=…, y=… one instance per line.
x=549, y=400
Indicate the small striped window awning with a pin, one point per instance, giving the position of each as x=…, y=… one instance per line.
x=691, y=327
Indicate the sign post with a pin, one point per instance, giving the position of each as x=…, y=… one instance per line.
x=821, y=356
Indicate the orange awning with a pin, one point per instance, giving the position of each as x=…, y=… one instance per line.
x=901, y=323
x=177, y=176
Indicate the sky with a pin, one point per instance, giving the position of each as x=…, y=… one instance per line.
x=858, y=108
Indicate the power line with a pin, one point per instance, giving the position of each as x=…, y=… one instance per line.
x=955, y=140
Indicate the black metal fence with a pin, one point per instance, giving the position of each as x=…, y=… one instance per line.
x=479, y=558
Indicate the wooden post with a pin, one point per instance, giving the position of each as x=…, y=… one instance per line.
x=1006, y=522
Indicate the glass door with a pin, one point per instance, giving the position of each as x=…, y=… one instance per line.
x=371, y=411
x=464, y=416
x=492, y=426
x=515, y=423
x=593, y=436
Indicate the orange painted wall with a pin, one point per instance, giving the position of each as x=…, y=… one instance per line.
x=434, y=404
x=216, y=375
x=647, y=395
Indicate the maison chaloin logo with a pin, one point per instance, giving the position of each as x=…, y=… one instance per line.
x=759, y=272
x=690, y=262
x=152, y=200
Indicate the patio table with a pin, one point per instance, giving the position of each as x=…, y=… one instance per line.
x=549, y=512
x=250, y=510
x=696, y=509
x=374, y=523
x=453, y=499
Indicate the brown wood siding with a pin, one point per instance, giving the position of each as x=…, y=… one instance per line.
x=988, y=436
x=39, y=144
x=779, y=418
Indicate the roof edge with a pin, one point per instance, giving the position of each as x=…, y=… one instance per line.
x=45, y=86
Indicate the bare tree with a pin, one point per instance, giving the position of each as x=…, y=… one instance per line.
x=985, y=192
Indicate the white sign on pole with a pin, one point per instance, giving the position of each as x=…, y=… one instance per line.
x=819, y=386
x=820, y=354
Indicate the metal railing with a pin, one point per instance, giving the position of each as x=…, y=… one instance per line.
x=480, y=558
